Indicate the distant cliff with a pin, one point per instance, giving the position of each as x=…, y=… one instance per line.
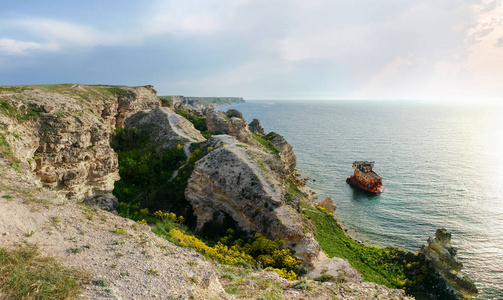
x=199, y=102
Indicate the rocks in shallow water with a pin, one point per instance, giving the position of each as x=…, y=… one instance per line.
x=328, y=204
x=442, y=257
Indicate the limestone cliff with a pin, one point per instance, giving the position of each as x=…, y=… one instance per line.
x=442, y=257
x=285, y=153
x=64, y=134
x=166, y=128
x=231, y=123
x=241, y=180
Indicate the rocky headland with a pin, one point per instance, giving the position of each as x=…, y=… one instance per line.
x=55, y=147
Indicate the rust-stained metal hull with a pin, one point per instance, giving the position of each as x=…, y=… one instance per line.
x=353, y=181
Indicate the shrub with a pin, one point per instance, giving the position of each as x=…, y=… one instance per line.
x=259, y=251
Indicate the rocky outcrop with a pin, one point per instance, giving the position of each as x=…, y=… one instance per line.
x=233, y=113
x=241, y=181
x=256, y=127
x=165, y=128
x=134, y=100
x=231, y=123
x=328, y=204
x=66, y=141
x=337, y=268
x=442, y=257
x=285, y=152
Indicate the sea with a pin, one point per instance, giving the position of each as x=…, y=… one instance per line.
x=441, y=163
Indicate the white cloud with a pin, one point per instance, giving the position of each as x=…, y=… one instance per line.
x=65, y=33
x=10, y=46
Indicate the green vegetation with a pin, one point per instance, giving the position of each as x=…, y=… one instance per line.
x=166, y=100
x=23, y=114
x=147, y=179
x=26, y=275
x=81, y=92
x=265, y=141
x=258, y=251
x=119, y=91
x=14, y=88
x=199, y=121
x=390, y=266
x=293, y=194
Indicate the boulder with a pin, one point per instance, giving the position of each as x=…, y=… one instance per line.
x=216, y=122
x=231, y=123
x=340, y=270
x=328, y=204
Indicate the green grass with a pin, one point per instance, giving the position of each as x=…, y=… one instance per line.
x=83, y=92
x=166, y=100
x=199, y=122
x=266, y=144
x=29, y=113
x=24, y=274
x=391, y=266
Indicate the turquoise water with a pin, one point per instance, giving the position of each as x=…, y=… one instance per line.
x=442, y=166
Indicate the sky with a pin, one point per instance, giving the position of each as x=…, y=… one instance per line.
x=258, y=49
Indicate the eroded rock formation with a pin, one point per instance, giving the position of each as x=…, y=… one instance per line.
x=230, y=123
x=285, y=152
x=166, y=128
x=240, y=180
x=256, y=127
x=443, y=259
x=67, y=140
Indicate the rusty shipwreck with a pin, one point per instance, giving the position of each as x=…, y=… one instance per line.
x=364, y=178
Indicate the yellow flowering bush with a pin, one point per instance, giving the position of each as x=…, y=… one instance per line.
x=143, y=222
x=219, y=252
x=258, y=251
x=262, y=251
x=290, y=275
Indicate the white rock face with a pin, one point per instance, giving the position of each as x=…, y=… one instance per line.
x=166, y=128
x=240, y=180
x=443, y=259
x=67, y=145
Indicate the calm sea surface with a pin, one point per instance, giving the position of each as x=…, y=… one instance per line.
x=442, y=166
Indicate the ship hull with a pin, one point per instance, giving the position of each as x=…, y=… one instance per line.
x=356, y=183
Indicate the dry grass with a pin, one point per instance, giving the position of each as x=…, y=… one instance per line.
x=24, y=274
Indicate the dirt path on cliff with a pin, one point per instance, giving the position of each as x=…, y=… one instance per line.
x=173, y=121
